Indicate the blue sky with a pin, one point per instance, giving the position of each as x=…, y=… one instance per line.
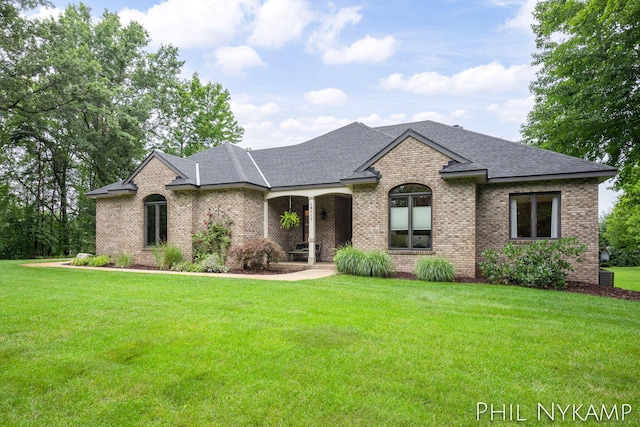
x=296, y=69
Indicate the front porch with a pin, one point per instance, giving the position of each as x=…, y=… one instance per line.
x=326, y=221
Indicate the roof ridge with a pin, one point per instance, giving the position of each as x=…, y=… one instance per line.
x=259, y=170
x=236, y=163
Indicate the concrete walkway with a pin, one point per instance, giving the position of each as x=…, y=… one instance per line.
x=309, y=274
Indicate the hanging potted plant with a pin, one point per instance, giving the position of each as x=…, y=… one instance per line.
x=289, y=220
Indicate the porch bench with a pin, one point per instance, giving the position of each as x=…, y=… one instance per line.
x=302, y=250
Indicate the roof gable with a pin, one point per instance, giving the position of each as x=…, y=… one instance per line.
x=410, y=133
x=183, y=168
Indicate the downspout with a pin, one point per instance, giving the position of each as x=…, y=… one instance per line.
x=197, y=175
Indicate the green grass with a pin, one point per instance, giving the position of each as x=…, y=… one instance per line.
x=626, y=277
x=83, y=347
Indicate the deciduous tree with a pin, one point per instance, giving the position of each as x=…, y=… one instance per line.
x=587, y=91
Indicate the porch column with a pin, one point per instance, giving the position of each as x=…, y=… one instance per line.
x=265, y=218
x=312, y=230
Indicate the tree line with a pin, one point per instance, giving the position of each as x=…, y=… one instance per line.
x=81, y=102
x=587, y=100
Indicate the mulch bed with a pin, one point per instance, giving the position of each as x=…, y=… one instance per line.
x=233, y=270
x=576, y=287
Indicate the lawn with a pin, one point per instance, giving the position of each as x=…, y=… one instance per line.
x=626, y=277
x=82, y=347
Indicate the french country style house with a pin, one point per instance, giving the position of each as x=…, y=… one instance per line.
x=411, y=190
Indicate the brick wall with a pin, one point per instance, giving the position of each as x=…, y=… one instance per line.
x=119, y=220
x=453, y=211
x=242, y=206
x=578, y=217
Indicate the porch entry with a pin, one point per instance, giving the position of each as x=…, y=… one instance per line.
x=326, y=221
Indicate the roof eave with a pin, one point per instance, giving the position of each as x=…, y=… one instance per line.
x=112, y=193
x=307, y=187
x=362, y=180
x=601, y=175
x=216, y=186
x=480, y=175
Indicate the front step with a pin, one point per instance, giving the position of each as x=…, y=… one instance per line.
x=302, y=265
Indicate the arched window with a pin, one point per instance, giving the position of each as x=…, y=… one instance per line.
x=155, y=220
x=410, y=217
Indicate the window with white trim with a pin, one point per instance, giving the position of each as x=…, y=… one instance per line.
x=534, y=216
x=155, y=220
x=410, y=217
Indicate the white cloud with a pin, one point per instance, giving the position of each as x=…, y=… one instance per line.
x=245, y=112
x=44, y=13
x=490, y=78
x=366, y=50
x=193, y=24
x=329, y=96
x=513, y=110
x=279, y=21
x=233, y=61
x=376, y=119
x=325, y=40
x=314, y=126
x=524, y=18
x=331, y=25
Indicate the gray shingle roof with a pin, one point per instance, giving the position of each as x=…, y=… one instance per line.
x=346, y=154
x=504, y=160
x=323, y=160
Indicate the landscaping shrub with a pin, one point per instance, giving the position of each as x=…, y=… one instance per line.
x=258, y=253
x=347, y=259
x=80, y=262
x=124, y=261
x=376, y=264
x=215, y=239
x=538, y=264
x=212, y=264
x=184, y=266
x=166, y=255
x=434, y=269
x=350, y=260
x=99, y=261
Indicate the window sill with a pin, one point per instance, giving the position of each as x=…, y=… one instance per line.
x=531, y=239
x=411, y=252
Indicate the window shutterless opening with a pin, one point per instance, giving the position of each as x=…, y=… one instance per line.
x=155, y=220
x=410, y=217
x=534, y=216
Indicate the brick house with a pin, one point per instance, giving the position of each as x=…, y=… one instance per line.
x=412, y=190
